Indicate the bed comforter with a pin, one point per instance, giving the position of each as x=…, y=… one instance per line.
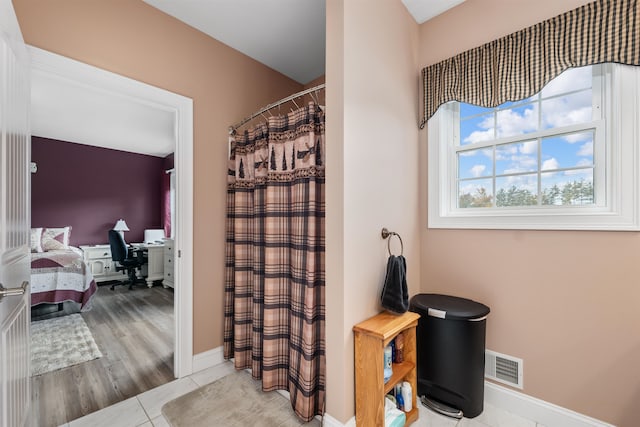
x=61, y=275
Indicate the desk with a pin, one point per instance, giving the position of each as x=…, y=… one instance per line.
x=98, y=259
x=154, y=268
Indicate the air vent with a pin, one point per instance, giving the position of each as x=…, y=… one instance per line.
x=503, y=368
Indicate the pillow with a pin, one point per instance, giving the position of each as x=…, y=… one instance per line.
x=55, y=238
x=36, y=240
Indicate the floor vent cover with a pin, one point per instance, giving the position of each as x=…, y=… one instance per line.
x=503, y=368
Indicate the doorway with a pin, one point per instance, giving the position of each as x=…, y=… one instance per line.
x=179, y=110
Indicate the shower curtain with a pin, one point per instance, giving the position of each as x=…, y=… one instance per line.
x=275, y=278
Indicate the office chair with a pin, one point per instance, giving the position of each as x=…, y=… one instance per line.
x=123, y=260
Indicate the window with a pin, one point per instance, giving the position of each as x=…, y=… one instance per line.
x=564, y=158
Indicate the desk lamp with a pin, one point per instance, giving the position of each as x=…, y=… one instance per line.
x=121, y=227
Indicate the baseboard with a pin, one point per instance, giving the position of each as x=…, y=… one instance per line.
x=208, y=359
x=517, y=403
x=537, y=410
x=329, y=421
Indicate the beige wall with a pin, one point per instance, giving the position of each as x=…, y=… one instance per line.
x=564, y=302
x=372, y=177
x=135, y=40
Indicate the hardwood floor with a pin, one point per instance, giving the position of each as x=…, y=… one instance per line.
x=134, y=331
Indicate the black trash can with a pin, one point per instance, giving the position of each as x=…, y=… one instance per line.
x=450, y=344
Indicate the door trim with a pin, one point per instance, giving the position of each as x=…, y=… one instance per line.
x=181, y=107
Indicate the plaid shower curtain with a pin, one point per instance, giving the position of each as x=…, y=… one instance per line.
x=274, y=282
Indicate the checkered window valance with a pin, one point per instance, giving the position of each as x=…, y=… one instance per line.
x=517, y=66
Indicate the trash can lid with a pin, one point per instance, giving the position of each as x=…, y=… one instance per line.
x=448, y=307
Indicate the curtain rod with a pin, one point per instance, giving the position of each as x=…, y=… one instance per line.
x=275, y=104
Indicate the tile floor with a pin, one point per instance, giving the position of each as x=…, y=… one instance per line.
x=144, y=409
x=490, y=417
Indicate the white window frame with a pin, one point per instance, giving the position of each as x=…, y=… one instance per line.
x=616, y=209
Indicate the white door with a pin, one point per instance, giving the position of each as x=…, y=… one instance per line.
x=15, y=198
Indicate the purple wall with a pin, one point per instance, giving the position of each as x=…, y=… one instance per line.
x=90, y=188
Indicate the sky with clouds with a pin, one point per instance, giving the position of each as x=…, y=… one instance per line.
x=566, y=100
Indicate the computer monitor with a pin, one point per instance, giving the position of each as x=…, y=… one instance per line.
x=153, y=235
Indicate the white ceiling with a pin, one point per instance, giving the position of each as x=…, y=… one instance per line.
x=69, y=111
x=423, y=10
x=286, y=35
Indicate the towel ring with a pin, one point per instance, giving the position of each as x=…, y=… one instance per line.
x=388, y=234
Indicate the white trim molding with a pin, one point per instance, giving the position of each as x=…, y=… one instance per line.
x=181, y=109
x=516, y=403
x=619, y=205
x=329, y=421
x=183, y=255
x=208, y=359
x=537, y=410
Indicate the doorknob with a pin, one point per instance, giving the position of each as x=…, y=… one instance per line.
x=7, y=292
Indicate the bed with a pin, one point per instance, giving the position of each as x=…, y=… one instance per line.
x=61, y=275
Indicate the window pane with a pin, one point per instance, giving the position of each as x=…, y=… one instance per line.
x=574, y=187
x=467, y=110
x=510, y=104
x=477, y=129
x=517, y=157
x=517, y=121
x=550, y=170
x=475, y=163
x=567, y=110
x=519, y=190
x=475, y=193
x=570, y=80
x=567, y=151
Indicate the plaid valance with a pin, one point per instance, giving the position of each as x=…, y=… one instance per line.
x=517, y=66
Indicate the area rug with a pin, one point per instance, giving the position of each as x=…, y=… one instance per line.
x=61, y=342
x=232, y=401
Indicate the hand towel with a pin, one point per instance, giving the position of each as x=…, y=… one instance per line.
x=395, y=297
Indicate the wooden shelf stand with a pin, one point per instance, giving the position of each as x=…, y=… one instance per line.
x=371, y=337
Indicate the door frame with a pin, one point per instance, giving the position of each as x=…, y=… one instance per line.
x=181, y=107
